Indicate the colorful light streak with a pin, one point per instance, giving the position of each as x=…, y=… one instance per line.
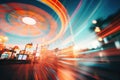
x=67, y=65
x=61, y=11
x=35, y=29
x=113, y=27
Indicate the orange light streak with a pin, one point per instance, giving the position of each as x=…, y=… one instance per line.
x=62, y=13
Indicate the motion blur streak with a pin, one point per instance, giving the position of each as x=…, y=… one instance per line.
x=61, y=11
x=83, y=25
x=62, y=43
x=113, y=27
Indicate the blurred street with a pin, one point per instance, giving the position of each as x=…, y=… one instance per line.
x=88, y=67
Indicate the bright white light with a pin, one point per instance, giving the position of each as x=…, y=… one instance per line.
x=94, y=21
x=76, y=48
x=95, y=44
x=29, y=20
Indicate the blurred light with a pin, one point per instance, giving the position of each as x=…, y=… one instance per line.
x=105, y=40
x=5, y=38
x=95, y=44
x=37, y=54
x=100, y=39
x=75, y=48
x=117, y=44
x=94, y=21
x=0, y=40
x=97, y=29
x=101, y=54
x=29, y=45
x=75, y=51
x=29, y=20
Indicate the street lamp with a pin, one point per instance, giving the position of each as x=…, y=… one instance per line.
x=100, y=39
x=97, y=29
x=94, y=22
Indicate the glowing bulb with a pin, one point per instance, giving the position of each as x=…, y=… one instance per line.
x=94, y=21
x=29, y=20
x=97, y=29
x=100, y=39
